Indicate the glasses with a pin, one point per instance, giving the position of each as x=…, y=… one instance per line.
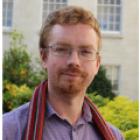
x=84, y=53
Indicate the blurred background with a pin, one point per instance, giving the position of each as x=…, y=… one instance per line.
x=115, y=88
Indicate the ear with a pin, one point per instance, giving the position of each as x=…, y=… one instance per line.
x=98, y=63
x=43, y=55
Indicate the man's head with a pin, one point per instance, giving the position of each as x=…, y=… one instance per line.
x=69, y=44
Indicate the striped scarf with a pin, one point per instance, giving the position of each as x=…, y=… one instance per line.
x=35, y=124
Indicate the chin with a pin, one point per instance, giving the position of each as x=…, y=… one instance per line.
x=71, y=88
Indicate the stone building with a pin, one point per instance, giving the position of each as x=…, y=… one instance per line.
x=119, y=24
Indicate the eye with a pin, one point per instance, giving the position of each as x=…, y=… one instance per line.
x=61, y=49
x=86, y=51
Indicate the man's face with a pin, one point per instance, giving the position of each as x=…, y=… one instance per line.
x=71, y=73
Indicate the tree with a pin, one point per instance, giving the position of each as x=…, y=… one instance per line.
x=17, y=65
x=101, y=84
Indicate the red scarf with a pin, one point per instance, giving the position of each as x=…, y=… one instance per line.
x=34, y=130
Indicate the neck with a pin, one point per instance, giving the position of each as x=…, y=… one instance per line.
x=67, y=106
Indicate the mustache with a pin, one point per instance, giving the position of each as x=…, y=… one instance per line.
x=72, y=69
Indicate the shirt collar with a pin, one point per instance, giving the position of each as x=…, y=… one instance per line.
x=50, y=110
x=86, y=115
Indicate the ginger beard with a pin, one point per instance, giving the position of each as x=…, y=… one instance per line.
x=70, y=80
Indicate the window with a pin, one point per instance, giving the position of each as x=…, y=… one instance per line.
x=109, y=15
x=7, y=13
x=52, y=5
x=113, y=73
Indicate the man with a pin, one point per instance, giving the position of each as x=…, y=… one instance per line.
x=59, y=110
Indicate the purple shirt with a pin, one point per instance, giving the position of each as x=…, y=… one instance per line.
x=55, y=127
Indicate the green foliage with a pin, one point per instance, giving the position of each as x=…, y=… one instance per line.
x=122, y=112
x=101, y=84
x=17, y=65
x=131, y=134
x=15, y=96
x=98, y=99
x=20, y=75
x=36, y=75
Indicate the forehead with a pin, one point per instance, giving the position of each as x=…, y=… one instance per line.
x=76, y=35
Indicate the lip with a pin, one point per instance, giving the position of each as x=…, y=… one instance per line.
x=72, y=74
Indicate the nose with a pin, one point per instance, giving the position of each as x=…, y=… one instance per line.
x=73, y=59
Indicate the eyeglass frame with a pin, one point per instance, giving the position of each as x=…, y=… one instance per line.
x=69, y=52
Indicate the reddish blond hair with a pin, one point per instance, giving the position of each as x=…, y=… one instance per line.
x=69, y=15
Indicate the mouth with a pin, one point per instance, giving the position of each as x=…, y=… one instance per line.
x=71, y=74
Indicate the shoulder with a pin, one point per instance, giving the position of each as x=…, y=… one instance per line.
x=116, y=132
x=17, y=113
x=14, y=122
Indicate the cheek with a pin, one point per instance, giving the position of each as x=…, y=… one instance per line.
x=49, y=63
x=92, y=70
x=54, y=66
x=51, y=68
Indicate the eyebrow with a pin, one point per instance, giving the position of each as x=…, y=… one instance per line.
x=69, y=45
x=63, y=44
